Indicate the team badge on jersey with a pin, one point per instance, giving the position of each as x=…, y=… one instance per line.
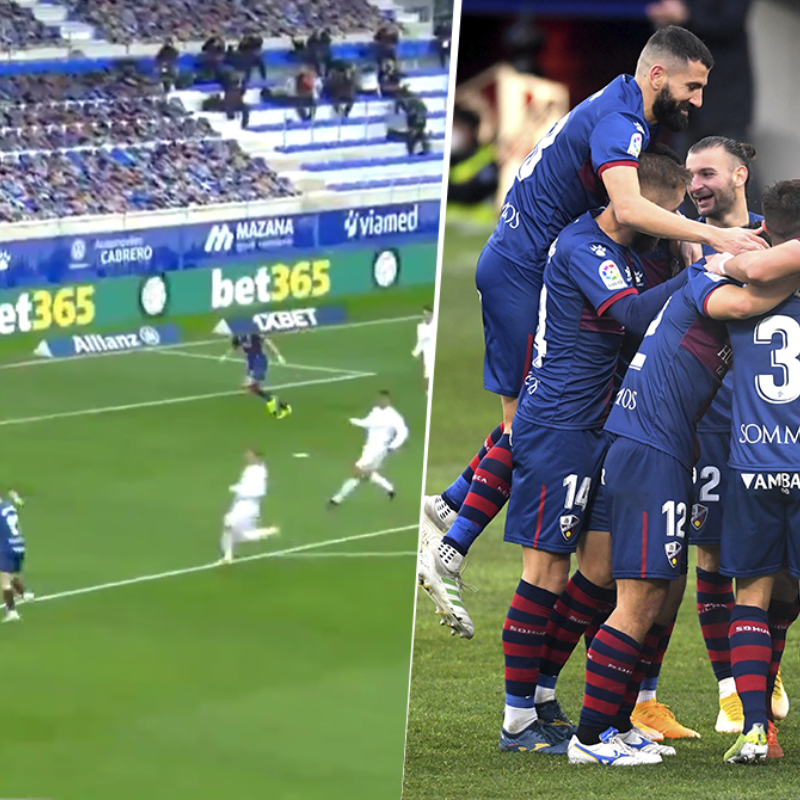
x=699, y=516
x=673, y=550
x=569, y=526
x=635, y=147
x=598, y=250
x=611, y=276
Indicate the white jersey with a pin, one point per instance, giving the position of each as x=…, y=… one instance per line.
x=426, y=339
x=248, y=493
x=386, y=429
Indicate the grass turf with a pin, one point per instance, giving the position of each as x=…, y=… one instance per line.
x=457, y=692
x=285, y=676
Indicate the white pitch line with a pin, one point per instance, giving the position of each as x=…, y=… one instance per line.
x=176, y=400
x=200, y=342
x=239, y=362
x=290, y=551
x=396, y=554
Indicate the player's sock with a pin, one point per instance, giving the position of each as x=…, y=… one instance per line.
x=751, y=654
x=488, y=494
x=636, y=685
x=262, y=393
x=599, y=620
x=656, y=659
x=781, y=616
x=610, y=665
x=523, y=633
x=455, y=494
x=715, y=601
x=574, y=611
x=379, y=480
x=8, y=599
x=19, y=588
x=348, y=487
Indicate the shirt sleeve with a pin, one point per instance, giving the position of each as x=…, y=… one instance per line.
x=418, y=348
x=400, y=432
x=601, y=280
x=703, y=284
x=618, y=139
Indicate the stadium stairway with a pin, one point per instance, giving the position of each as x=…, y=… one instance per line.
x=57, y=16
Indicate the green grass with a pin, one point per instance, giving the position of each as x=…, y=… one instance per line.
x=457, y=692
x=285, y=676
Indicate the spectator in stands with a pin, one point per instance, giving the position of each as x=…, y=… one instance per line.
x=318, y=51
x=443, y=32
x=340, y=87
x=252, y=56
x=305, y=87
x=387, y=38
x=166, y=64
x=417, y=122
x=233, y=102
x=210, y=59
x=389, y=77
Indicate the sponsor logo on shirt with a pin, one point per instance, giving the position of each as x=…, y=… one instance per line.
x=635, y=147
x=771, y=480
x=598, y=250
x=611, y=276
x=510, y=216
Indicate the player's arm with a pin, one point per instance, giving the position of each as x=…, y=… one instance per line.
x=740, y=302
x=272, y=347
x=362, y=423
x=635, y=211
x=400, y=433
x=780, y=261
x=236, y=343
x=418, y=349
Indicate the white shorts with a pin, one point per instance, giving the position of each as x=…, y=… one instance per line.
x=372, y=459
x=427, y=365
x=243, y=518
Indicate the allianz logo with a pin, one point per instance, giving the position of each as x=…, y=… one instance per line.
x=97, y=343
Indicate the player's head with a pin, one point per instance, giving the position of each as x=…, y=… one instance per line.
x=720, y=170
x=427, y=313
x=672, y=72
x=384, y=398
x=253, y=456
x=781, y=206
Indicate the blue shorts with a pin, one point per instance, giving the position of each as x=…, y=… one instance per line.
x=553, y=478
x=761, y=533
x=11, y=562
x=257, y=369
x=710, y=486
x=649, y=496
x=510, y=305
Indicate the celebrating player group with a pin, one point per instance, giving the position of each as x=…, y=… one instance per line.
x=649, y=372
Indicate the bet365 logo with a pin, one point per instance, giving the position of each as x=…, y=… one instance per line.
x=42, y=309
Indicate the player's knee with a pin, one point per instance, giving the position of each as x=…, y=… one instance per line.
x=5, y=581
x=548, y=571
x=708, y=557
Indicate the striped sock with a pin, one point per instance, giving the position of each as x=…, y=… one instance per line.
x=635, y=687
x=455, y=494
x=751, y=654
x=488, y=493
x=599, y=619
x=781, y=616
x=523, y=633
x=715, y=602
x=610, y=664
x=579, y=605
x=649, y=685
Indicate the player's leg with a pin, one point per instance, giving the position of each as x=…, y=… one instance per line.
x=648, y=555
x=361, y=472
x=553, y=471
x=7, y=572
x=257, y=374
x=378, y=479
x=20, y=592
x=754, y=546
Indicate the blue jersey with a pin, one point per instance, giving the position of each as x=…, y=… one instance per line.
x=577, y=344
x=718, y=417
x=766, y=400
x=561, y=177
x=11, y=541
x=676, y=373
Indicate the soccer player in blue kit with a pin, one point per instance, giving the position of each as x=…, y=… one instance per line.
x=761, y=528
x=590, y=298
x=252, y=346
x=12, y=556
x=589, y=154
x=647, y=478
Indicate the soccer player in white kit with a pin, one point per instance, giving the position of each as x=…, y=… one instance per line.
x=241, y=523
x=426, y=345
x=386, y=432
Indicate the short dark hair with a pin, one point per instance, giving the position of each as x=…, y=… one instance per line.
x=741, y=151
x=781, y=206
x=681, y=44
x=385, y=393
x=661, y=172
x=427, y=308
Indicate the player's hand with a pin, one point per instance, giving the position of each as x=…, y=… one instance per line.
x=690, y=253
x=736, y=240
x=716, y=263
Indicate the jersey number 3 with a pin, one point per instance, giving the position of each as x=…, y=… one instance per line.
x=786, y=359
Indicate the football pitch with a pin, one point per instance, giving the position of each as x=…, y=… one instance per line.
x=143, y=669
x=457, y=691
